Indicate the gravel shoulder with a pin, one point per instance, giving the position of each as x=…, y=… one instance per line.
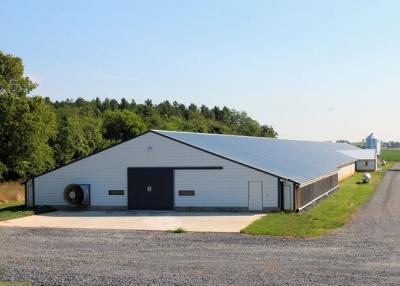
x=365, y=252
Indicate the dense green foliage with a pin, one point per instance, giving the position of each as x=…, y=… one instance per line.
x=330, y=214
x=26, y=124
x=37, y=134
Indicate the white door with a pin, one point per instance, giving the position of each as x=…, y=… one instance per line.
x=287, y=197
x=255, y=196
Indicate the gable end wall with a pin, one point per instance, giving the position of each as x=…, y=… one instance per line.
x=107, y=170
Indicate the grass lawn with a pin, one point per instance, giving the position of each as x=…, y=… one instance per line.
x=328, y=215
x=12, y=202
x=390, y=155
x=15, y=284
x=388, y=165
x=14, y=210
x=17, y=209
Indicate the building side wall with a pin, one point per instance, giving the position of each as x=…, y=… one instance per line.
x=310, y=192
x=223, y=188
x=366, y=165
x=107, y=170
x=346, y=171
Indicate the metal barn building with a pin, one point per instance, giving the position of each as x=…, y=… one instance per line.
x=367, y=159
x=165, y=170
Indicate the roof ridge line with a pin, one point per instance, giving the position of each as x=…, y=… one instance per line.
x=245, y=136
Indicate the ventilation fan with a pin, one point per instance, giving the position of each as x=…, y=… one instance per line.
x=77, y=194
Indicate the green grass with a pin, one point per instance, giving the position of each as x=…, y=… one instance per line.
x=17, y=209
x=388, y=165
x=390, y=155
x=328, y=215
x=178, y=230
x=4, y=283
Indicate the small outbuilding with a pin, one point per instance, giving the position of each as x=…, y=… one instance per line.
x=367, y=159
x=183, y=171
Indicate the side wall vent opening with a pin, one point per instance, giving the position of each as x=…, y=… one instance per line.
x=186, y=193
x=116, y=192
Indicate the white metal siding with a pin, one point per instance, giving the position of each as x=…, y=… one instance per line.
x=108, y=170
x=366, y=165
x=223, y=188
x=346, y=171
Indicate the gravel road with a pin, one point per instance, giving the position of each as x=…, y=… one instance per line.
x=365, y=252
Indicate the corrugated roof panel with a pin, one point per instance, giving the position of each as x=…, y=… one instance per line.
x=299, y=161
x=360, y=154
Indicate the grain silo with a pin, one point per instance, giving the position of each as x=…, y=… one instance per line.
x=373, y=142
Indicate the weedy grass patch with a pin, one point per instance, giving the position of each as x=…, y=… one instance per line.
x=11, y=191
x=178, y=230
x=18, y=209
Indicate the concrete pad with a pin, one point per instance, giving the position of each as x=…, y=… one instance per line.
x=138, y=220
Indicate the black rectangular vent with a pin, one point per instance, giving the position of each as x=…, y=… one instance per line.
x=186, y=192
x=115, y=192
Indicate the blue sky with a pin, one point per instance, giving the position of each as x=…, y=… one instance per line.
x=317, y=70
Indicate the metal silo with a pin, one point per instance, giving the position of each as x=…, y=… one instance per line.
x=373, y=142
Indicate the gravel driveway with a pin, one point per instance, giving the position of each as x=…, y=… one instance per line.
x=364, y=252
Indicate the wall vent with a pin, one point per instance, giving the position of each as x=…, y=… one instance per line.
x=186, y=192
x=116, y=192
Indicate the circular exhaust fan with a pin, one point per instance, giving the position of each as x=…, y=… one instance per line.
x=76, y=195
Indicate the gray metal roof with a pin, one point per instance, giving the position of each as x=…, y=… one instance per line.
x=360, y=154
x=295, y=160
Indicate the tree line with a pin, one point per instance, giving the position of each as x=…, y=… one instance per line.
x=391, y=145
x=38, y=134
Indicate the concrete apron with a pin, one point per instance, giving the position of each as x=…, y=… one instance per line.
x=138, y=220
